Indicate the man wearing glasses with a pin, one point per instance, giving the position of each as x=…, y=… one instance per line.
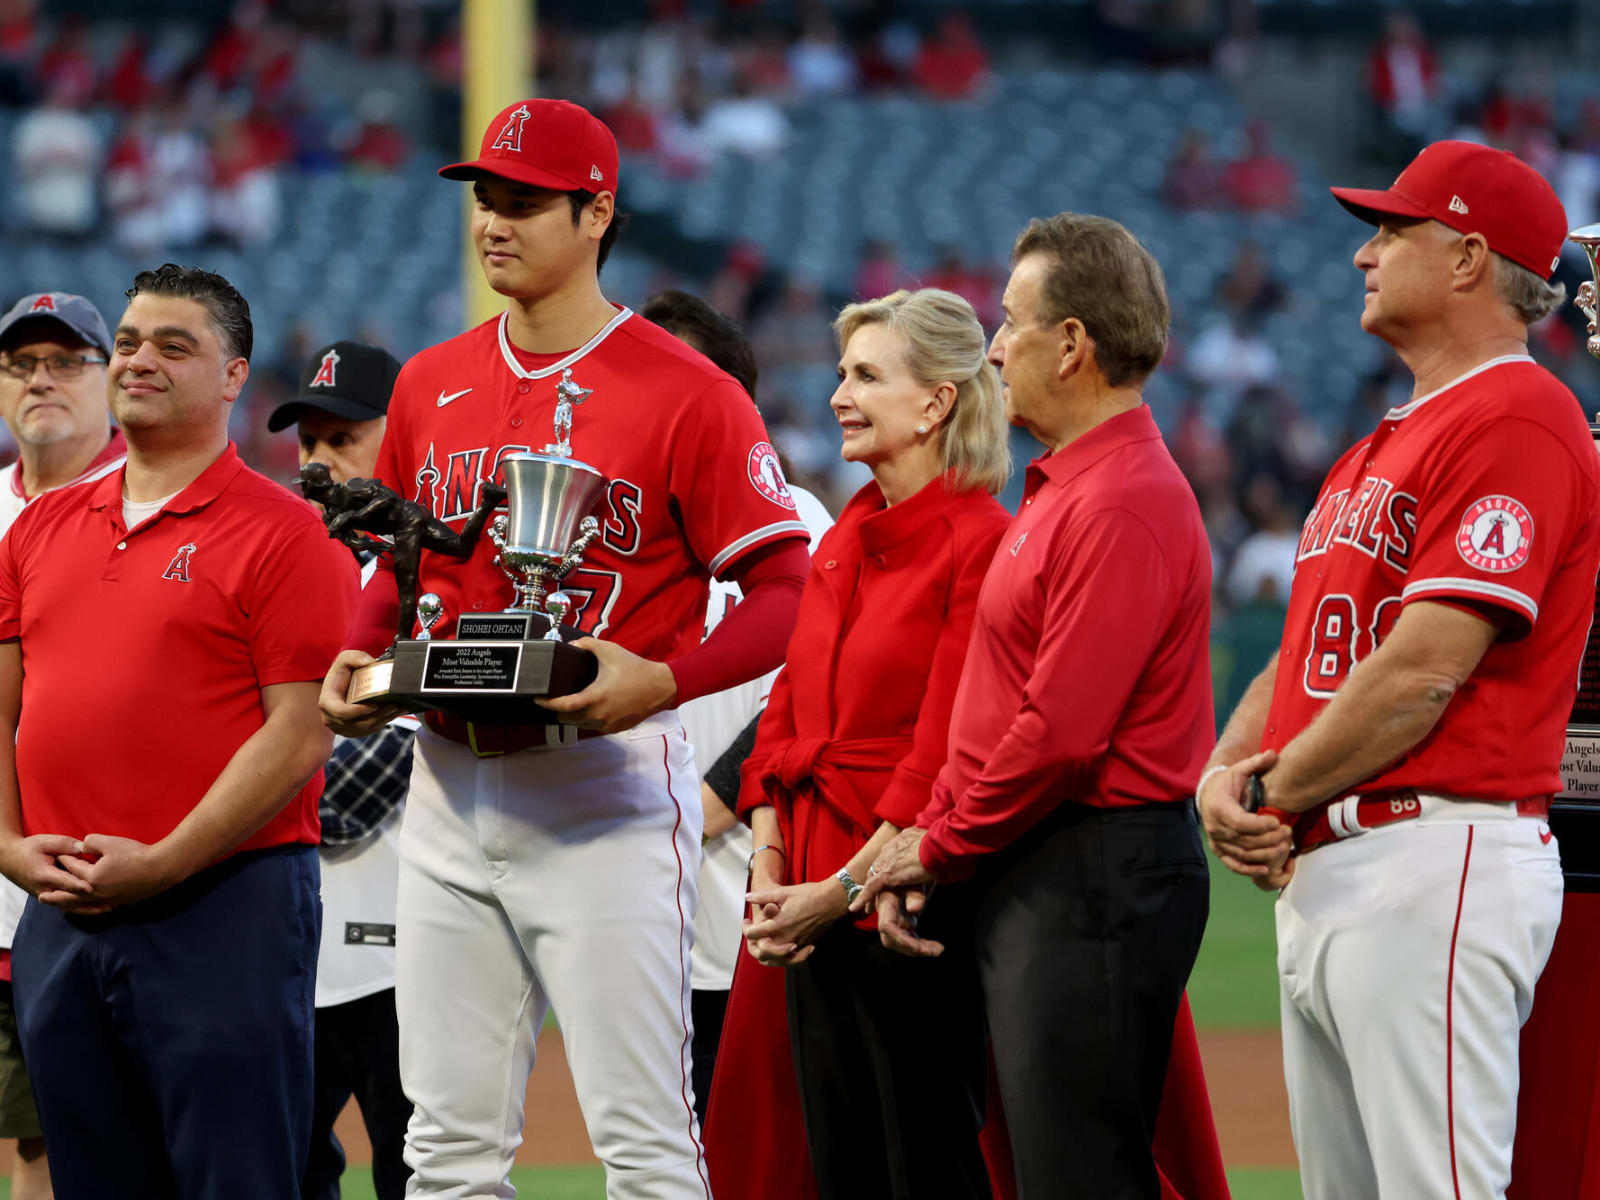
x=53, y=352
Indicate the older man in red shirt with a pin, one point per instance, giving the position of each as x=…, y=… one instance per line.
x=1080, y=726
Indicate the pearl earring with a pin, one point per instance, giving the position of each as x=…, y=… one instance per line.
x=922, y=429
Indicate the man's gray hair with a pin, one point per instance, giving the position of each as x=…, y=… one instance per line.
x=1531, y=298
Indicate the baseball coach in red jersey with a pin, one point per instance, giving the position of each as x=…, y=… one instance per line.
x=554, y=864
x=1079, y=728
x=1412, y=722
x=165, y=963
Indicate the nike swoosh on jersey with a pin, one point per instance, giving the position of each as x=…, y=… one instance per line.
x=443, y=399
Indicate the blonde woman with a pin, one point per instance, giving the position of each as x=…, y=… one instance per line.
x=888, y=1051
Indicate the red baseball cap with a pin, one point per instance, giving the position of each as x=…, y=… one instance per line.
x=545, y=143
x=1474, y=189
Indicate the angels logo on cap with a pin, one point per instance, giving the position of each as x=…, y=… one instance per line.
x=325, y=376
x=767, y=475
x=511, y=135
x=1495, y=535
x=45, y=303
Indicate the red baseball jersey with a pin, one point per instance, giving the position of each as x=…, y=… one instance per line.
x=1483, y=492
x=694, y=482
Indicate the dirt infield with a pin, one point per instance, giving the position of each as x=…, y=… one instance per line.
x=1244, y=1070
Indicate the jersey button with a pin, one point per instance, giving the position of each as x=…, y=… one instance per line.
x=830, y=564
x=880, y=560
x=524, y=388
x=122, y=545
x=516, y=422
x=477, y=604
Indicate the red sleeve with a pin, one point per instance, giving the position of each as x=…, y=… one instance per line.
x=1495, y=520
x=751, y=639
x=10, y=587
x=1110, y=595
x=773, y=733
x=304, y=595
x=726, y=481
x=377, y=610
x=912, y=783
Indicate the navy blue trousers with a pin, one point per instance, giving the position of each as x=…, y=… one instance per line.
x=170, y=1042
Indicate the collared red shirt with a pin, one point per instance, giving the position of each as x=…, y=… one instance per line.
x=144, y=653
x=1089, y=674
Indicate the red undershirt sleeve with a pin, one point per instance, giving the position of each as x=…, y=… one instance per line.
x=377, y=612
x=751, y=640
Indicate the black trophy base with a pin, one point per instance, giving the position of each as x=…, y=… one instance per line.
x=489, y=680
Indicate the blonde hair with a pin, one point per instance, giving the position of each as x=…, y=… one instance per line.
x=944, y=342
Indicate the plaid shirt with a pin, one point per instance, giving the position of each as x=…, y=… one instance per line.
x=366, y=781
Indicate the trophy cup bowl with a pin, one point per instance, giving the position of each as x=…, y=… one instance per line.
x=548, y=499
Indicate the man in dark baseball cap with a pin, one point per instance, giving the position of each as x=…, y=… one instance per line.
x=341, y=412
x=342, y=407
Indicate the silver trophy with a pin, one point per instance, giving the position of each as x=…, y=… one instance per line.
x=546, y=529
x=1588, y=298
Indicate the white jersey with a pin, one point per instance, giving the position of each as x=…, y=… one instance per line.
x=12, y=501
x=712, y=722
x=359, y=883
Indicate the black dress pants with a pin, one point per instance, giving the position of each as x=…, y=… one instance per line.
x=358, y=1054
x=890, y=1057
x=1085, y=934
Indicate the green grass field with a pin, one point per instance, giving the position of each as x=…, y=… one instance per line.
x=587, y=1183
x=1235, y=979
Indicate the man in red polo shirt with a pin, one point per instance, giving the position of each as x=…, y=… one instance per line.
x=53, y=352
x=1414, y=718
x=163, y=632
x=1079, y=728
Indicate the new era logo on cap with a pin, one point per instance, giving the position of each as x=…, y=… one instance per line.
x=545, y=143
x=1458, y=205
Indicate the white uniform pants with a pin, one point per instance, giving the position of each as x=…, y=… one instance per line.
x=1407, y=958
x=562, y=877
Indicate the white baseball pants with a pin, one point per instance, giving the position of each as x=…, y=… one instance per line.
x=1407, y=958
x=557, y=877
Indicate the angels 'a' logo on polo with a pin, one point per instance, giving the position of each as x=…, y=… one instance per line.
x=1495, y=534
x=767, y=475
x=178, y=568
x=45, y=303
x=325, y=373
x=510, y=137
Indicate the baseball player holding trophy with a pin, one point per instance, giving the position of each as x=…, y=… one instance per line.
x=550, y=841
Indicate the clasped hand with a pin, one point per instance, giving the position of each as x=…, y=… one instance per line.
x=1255, y=845
x=86, y=877
x=786, y=921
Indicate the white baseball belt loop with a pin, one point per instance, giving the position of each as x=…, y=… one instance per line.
x=1342, y=819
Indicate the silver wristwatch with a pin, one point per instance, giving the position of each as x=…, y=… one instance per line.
x=852, y=889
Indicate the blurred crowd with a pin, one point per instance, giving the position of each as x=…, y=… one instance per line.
x=172, y=137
